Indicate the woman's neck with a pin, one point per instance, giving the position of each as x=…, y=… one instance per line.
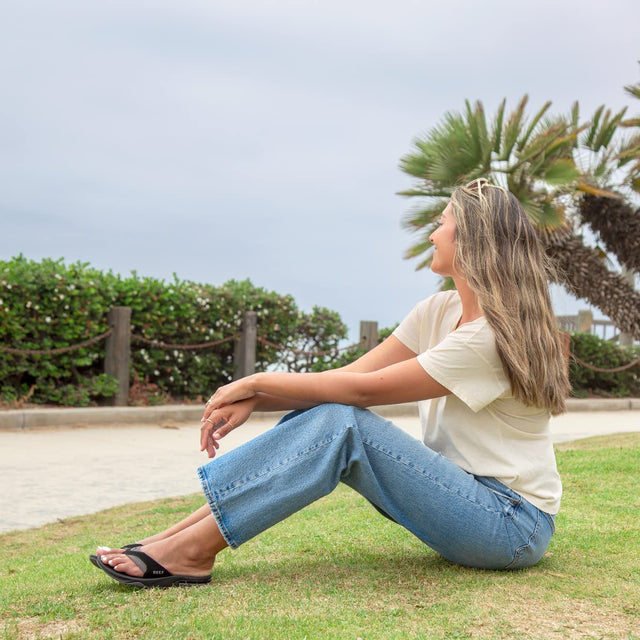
x=470, y=306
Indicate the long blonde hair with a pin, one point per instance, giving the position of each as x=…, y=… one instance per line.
x=499, y=254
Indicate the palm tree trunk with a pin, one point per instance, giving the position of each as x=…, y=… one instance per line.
x=583, y=272
x=618, y=226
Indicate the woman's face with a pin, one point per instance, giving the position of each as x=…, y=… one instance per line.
x=443, y=240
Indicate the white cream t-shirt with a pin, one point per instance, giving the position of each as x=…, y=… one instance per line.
x=479, y=426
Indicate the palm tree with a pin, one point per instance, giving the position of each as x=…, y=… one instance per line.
x=615, y=164
x=584, y=273
x=535, y=159
x=617, y=224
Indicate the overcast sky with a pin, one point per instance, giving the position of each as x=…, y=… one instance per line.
x=260, y=139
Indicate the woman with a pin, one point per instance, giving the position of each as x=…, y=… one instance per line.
x=486, y=364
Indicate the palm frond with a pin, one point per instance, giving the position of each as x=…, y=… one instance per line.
x=497, y=127
x=561, y=172
x=511, y=130
x=534, y=123
x=478, y=144
x=418, y=249
x=585, y=187
x=602, y=128
x=551, y=138
x=575, y=114
x=544, y=214
x=593, y=128
x=419, y=217
x=633, y=90
x=630, y=122
x=415, y=164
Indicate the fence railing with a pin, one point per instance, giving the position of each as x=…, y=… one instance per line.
x=118, y=347
x=585, y=323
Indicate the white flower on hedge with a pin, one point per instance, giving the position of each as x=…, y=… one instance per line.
x=47, y=319
x=156, y=372
x=28, y=305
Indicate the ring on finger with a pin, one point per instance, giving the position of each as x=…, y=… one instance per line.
x=209, y=420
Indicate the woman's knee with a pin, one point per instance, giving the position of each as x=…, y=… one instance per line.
x=322, y=412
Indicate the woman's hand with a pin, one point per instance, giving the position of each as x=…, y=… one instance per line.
x=233, y=392
x=217, y=423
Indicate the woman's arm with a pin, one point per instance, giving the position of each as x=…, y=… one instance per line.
x=404, y=381
x=389, y=352
x=267, y=402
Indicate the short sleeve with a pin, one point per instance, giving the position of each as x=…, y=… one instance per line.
x=408, y=331
x=467, y=363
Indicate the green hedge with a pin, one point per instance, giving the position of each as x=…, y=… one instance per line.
x=48, y=304
x=605, y=355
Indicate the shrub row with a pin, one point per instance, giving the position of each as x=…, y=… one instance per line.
x=47, y=304
x=605, y=355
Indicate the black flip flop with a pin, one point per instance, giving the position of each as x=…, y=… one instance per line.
x=94, y=558
x=155, y=575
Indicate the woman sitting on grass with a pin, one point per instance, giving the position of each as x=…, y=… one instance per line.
x=486, y=364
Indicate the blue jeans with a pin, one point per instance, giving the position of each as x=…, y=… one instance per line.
x=472, y=521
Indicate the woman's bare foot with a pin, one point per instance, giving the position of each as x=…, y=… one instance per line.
x=191, y=519
x=189, y=552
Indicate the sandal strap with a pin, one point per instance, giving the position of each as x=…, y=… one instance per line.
x=147, y=564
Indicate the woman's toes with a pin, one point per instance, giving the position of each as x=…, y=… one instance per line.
x=123, y=564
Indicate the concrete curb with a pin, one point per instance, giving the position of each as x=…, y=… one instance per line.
x=13, y=419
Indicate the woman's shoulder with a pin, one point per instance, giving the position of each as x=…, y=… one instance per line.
x=441, y=301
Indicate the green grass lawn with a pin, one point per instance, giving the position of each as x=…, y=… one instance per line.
x=339, y=570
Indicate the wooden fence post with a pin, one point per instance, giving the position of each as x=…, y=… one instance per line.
x=244, y=354
x=117, y=357
x=585, y=321
x=368, y=334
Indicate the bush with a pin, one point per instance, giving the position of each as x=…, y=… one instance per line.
x=351, y=355
x=605, y=355
x=47, y=304
x=314, y=346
